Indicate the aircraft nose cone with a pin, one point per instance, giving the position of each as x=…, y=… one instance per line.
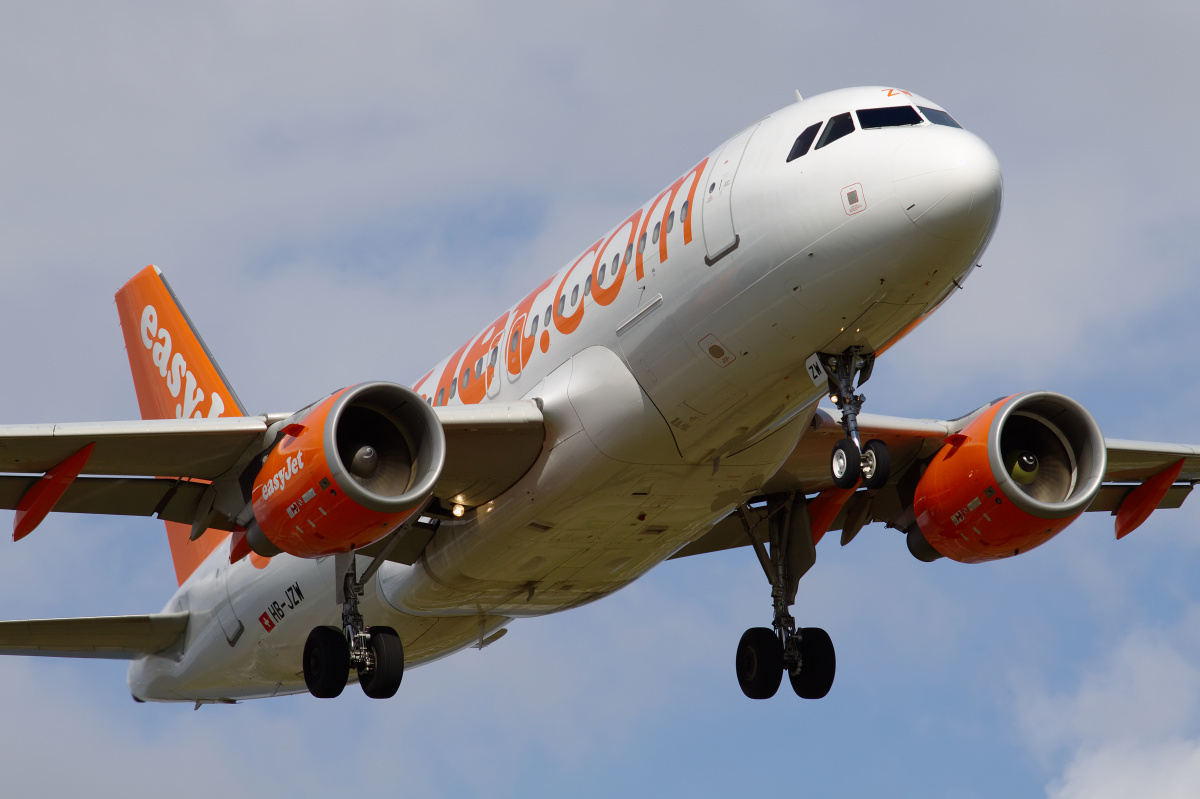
x=948, y=182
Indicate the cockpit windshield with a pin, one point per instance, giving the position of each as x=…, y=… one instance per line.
x=895, y=116
x=939, y=117
x=839, y=126
x=803, y=142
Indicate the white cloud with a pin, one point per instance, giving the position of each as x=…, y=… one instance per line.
x=1129, y=727
x=1166, y=770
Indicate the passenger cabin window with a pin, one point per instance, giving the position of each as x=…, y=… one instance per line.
x=803, y=142
x=683, y=212
x=629, y=253
x=642, y=242
x=495, y=356
x=600, y=277
x=549, y=311
x=657, y=231
x=534, y=327
x=453, y=387
x=441, y=399
x=574, y=295
x=841, y=125
x=466, y=376
x=587, y=286
x=939, y=117
x=670, y=221
x=896, y=116
x=516, y=336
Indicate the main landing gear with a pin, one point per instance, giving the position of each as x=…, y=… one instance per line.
x=851, y=459
x=376, y=653
x=765, y=654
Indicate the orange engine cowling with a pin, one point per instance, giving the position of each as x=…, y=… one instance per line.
x=347, y=471
x=1014, y=477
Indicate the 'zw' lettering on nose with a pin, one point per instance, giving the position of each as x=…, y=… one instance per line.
x=280, y=478
x=174, y=369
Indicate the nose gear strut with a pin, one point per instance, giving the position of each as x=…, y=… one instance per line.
x=851, y=459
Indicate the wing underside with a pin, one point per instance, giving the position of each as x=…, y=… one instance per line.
x=913, y=441
x=162, y=468
x=111, y=637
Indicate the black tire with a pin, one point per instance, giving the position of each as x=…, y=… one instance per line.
x=383, y=681
x=759, y=663
x=877, y=464
x=326, y=662
x=818, y=663
x=845, y=464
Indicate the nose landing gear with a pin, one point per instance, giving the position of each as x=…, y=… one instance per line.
x=765, y=654
x=851, y=459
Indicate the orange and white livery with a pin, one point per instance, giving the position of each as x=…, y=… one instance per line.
x=656, y=397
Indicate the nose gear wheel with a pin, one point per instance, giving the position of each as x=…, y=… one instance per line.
x=850, y=459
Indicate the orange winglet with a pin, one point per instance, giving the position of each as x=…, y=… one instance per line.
x=43, y=495
x=1143, y=500
x=825, y=508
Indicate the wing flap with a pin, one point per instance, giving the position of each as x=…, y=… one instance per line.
x=171, y=500
x=1135, y=461
x=202, y=448
x=113, y=637
x=488, y=449
x=1111, y=496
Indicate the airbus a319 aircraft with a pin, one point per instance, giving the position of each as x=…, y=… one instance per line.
x=656, y=397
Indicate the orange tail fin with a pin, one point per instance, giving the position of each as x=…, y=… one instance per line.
x=175, y=377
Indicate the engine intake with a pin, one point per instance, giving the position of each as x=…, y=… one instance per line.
x=1013, y=478
x=347, y=471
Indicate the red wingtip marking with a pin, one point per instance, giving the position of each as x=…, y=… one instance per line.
x=1143, y=500
x=43, y=495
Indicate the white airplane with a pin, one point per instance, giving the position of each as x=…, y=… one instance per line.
x=656, y=397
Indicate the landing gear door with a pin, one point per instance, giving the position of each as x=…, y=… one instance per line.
x=720, y=236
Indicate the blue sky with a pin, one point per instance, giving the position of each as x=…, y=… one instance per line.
x=345, y=195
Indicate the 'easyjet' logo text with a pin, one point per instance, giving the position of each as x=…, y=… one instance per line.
x=174, y=370
x=280, y=478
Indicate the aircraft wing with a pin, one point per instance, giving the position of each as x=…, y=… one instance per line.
x=912, y=441
x=115, y=637
x=488, y=448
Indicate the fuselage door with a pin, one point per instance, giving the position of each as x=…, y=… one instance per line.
x=720, y=237
x=514, y=356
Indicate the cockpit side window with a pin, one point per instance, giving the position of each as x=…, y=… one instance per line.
x=839, y=126
x=895, y=116
x=939, y=117
x=803, y=142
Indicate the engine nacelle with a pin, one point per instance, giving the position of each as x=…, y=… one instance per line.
x=1013, y=478
x=347, y=471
